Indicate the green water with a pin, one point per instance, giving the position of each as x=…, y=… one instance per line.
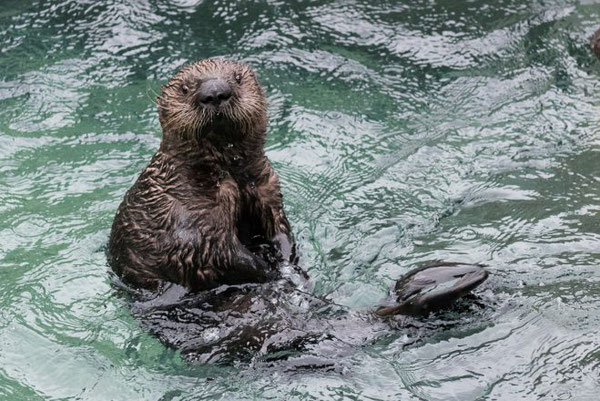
x=402, y=133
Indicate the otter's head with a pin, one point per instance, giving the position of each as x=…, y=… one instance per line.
x=213, y=97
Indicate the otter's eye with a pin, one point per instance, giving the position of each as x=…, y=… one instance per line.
x=238, y=77
x=185, y=89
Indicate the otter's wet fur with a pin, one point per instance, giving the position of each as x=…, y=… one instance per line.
x=209, y=197
x=595, y=43
x=202, y=242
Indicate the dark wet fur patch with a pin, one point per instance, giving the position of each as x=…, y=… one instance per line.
x=277, y=325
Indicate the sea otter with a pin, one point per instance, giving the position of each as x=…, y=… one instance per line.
x=595, y=43
x=204, y=225
x=209, y=195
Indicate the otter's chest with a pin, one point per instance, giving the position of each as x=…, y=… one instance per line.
x=235, y=167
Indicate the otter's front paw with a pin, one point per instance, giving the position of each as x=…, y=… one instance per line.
x=286, y=247
x=252, y=268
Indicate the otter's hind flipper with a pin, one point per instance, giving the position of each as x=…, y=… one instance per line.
x=433, y=287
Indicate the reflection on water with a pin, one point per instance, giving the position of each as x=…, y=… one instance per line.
x=402, y=133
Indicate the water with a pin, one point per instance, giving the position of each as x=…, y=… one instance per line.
x=402, y=133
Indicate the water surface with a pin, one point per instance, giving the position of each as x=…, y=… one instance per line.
x=403, y=132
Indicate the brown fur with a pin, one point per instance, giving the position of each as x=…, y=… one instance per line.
x=208, y=191
x=595, y=43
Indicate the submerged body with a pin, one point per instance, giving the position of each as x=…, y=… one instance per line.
x=282, y=321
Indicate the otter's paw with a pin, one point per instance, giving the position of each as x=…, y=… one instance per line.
x=250, y=268
x=433, y=287
x=285, y=247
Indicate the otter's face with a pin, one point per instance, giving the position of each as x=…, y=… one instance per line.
x=213, y=96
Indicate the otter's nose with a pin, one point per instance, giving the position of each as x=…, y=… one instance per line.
x=214, y=91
